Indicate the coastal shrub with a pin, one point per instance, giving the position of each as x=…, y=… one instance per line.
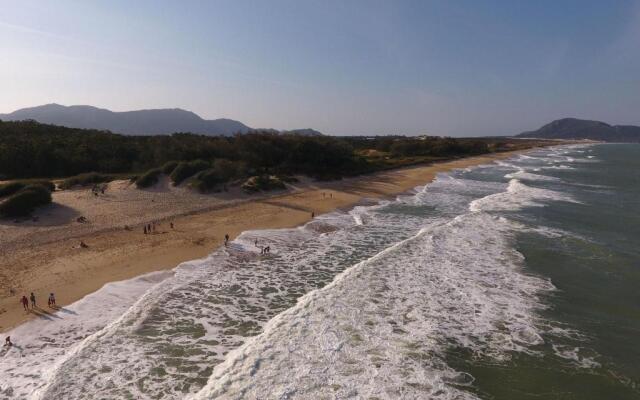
x=229, y=169
x=222, y=172
x=207, y=180
x=43, y=182
x=262, y=183
x=187, y=169
x=7, y=189
x=90, y=178
x=288, y=178
x=25, y=201
x=149, y=178
x=168, y=167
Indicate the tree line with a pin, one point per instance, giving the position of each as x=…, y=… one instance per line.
x=29, y=149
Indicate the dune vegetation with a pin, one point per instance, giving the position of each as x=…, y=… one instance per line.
x=25, y=200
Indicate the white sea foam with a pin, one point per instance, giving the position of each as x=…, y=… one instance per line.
x=562, y=166
x=528, y=176
x=577, y=356
x=381, y=328
x=166, y=346
x=518, y=196
x=41, y=345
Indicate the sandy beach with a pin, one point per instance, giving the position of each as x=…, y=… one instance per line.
x=44, y=255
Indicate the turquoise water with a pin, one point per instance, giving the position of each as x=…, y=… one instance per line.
x=514, y=280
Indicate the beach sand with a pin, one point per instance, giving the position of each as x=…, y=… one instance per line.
x=44, y=256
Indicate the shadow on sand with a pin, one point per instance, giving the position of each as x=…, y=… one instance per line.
x=44, y=314
x=52, y=215
x=64, y=310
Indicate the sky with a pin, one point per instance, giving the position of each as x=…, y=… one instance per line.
x=348, y=67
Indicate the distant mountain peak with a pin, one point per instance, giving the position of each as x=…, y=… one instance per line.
x=575, y=128
x=137, y=122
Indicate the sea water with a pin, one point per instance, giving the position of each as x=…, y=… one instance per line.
x=518, y=279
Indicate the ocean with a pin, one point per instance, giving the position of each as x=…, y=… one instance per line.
x=518, y=279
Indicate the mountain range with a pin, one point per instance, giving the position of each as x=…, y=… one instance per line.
x=573, y=128
x=141, y=122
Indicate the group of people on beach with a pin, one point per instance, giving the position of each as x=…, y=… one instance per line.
x=263, y=249
x=51, y=302
x=148, y=229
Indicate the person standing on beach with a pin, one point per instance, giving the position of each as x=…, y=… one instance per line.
x=25, y=303
x=145, y=229
x=52, y=300
x=33, y=300
x=226, y=239
x=7, y=342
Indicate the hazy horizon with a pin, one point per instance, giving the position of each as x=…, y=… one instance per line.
x=413, y=67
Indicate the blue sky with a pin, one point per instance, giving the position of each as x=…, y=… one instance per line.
x=457, y=68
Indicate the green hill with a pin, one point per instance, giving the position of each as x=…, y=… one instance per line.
x=573, y=128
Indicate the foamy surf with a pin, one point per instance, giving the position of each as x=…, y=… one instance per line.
x=518, y=196
x=43, y=344
x=382, y=327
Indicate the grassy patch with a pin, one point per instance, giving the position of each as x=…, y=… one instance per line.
x=187, y=169
x=149, y=178
x=25, y=201
x=262, y=183
x=90, y=178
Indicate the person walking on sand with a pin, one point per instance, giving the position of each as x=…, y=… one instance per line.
x=25, y=303
x=33, y=300
x=226, y=239
x=7, y=342
x=52, y=300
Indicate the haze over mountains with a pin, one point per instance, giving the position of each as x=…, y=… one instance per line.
x=172, y=120
x=141, y=122
x=574, y=128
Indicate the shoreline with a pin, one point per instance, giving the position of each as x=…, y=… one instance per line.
x=55, y=263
